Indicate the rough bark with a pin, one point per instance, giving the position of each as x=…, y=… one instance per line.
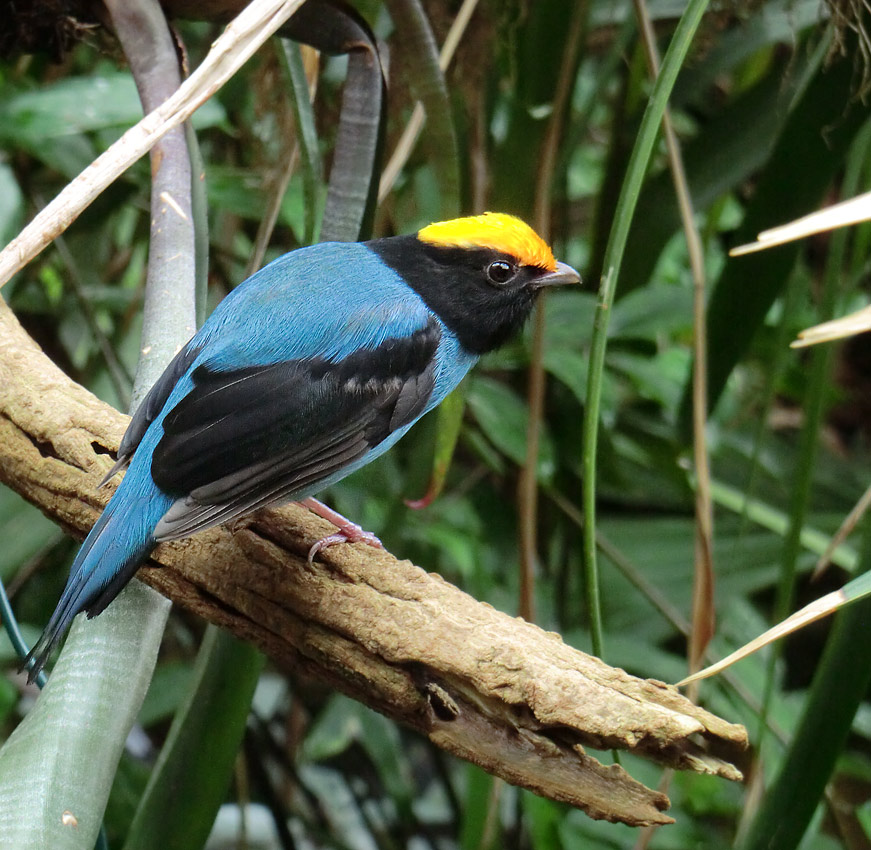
x=492, y=689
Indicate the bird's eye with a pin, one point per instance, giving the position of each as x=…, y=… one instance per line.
x=500, y=272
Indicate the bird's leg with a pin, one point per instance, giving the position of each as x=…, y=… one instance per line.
x=349, y=532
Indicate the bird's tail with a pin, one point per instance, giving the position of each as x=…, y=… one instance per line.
x=118, y=544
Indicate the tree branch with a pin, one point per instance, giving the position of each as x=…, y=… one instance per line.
x=484, y=686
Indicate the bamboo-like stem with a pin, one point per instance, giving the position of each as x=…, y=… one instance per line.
x=590, y=445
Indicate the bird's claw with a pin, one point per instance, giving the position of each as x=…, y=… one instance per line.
x=350, y=533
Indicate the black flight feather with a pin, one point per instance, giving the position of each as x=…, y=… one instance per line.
x=310, y=418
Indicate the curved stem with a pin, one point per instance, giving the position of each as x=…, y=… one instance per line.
x=613, y=259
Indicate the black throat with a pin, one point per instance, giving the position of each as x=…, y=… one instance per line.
x=453, y=284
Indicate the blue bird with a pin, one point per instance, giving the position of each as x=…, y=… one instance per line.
x=307, y=371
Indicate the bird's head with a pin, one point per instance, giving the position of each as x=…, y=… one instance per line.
x=480, y=275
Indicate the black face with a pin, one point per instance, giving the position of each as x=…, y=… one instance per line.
x=483, y=296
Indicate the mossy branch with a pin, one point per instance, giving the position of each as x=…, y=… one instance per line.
x=489, y=688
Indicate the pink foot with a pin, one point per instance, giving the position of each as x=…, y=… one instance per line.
x=349, y=532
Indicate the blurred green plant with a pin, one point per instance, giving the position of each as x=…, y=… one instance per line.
x=767, y=120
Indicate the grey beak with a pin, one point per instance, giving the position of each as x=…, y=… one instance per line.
x=561, y=275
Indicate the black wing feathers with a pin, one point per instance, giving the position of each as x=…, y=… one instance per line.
x=151, y=405
x=242, y=439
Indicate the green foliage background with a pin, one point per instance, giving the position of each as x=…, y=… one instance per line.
x=772, y=124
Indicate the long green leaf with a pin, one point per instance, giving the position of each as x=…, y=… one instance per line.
x=767, y=516
x=841, y=682
x=312, y=171
x=190, y=779
x=336, y=28
x=57, y=766
x=428, y=85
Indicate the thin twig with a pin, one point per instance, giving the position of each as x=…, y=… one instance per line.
x=280, y=182
x=409, y=136
x=239, y=41
x=844, y=531
x=528, y=491
x=613, y=257
x=288, y=158
x=703, y=585
x=703, y=574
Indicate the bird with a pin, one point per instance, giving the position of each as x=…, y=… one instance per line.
x=305, y=372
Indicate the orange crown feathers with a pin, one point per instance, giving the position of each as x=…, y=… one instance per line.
x=497, y=231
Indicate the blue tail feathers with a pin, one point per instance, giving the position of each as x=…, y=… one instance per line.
x=118, y=544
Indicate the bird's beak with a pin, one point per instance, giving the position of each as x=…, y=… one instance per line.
x=561, y=275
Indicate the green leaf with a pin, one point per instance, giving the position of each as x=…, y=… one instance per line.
x=24, y=531
x=659, y=378
x=863, y=815
x=353, y=184
x=168, y=688
x=544, y=820
x=304, y=116
x=421, y=64
x=196, y=762
x=774, y=23
x=81, y=105
x=800, y=169
x=568, y=323
x=11, y=204
x=503, y=417
x=654, y=312
x=480, y=810
x=335, y=729
x=449, y=420
x=840, y=683
x=81, y=710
